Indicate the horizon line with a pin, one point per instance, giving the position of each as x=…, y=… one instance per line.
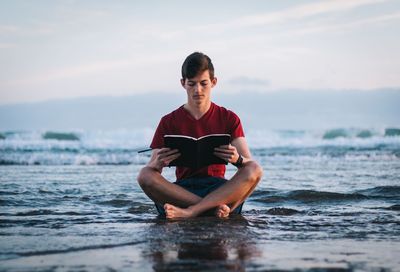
x=266, y=92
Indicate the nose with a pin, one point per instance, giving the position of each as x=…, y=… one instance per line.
x=197, y=87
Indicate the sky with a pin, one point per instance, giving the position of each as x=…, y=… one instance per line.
x=283, y=110
x=68, y=49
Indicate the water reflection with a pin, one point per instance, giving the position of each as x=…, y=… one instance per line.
x=204, y=243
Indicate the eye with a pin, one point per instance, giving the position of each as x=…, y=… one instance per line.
x=191, y=84
x=204, y=83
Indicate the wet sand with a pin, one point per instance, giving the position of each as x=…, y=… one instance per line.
x=210, y=244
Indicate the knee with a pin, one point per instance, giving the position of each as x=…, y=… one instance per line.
x=146, y=177
x=254, y=171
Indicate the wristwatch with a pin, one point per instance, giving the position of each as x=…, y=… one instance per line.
x=239, y=162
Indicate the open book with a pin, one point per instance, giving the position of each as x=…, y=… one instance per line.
x=196, y=153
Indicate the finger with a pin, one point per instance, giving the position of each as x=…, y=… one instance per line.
x=163, y=150
x=166, y=160
x=219, y=156
x=169, y=152
x=172, y=151
x=226, y=157
x=217, y=149
x=224, y=146
x=225, y=151
x=165, y=157
x=171, y=158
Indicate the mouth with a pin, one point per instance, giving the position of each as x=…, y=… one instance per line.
x=198, y=96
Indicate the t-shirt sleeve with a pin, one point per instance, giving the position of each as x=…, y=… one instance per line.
x=158, y=138
x=236, y=129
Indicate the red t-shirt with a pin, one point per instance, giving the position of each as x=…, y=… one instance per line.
x=217, y=120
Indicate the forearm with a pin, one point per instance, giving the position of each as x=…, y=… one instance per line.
x=240, y=161
x=246, y=159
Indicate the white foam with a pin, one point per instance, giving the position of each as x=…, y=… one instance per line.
x=120, y=146
x=306, y=139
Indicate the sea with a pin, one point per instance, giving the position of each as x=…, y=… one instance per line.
x=329, y=200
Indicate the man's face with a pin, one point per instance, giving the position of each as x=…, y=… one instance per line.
x=199, y=88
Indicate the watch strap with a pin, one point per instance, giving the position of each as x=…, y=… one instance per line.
x=239, y=162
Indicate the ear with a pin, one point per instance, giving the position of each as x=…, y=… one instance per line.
x=183, y=82
x=214, y=82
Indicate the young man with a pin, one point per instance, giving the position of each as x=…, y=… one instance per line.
x=197, y=191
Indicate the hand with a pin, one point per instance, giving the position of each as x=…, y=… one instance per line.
x=227, y=152
x=162, y=157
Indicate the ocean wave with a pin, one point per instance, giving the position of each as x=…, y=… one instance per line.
x=335, y=133
x=120, y=147
x=11, y=192
x=357, y=138
x=282, y=211
x=360, y=133
x=140, y=208
x=139, y=138
x=67, y=158
x=133, y=158
x=82, y=140
x=392, y=132
x=61, y=136
x=117, y=203
x=50, y=212
x=312, y=196
x=395, y=207
x=350, y=133
x=382, y=191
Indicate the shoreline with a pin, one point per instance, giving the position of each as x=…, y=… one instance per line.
x=218, y=252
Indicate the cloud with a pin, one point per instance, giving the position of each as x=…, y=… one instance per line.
x=68, y=73
x=345, y=26
x=27, y=31
x=9, y=29
x=7, y=45
x=294, y=13
x=100, y=68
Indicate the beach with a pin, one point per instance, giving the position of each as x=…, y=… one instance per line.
x=328, y=201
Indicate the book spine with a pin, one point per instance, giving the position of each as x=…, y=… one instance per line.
x=198, y=157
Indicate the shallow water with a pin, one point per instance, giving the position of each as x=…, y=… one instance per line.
x=329, y=207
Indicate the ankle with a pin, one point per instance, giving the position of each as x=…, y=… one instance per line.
x=192, y=211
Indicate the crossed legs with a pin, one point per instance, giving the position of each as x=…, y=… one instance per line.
x=180, y=203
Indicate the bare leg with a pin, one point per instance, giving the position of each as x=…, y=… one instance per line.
x=161, y=191
x=231, y=193
x=222, y=211
x=235, y=205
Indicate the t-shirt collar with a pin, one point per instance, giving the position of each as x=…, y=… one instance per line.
x=187, y=113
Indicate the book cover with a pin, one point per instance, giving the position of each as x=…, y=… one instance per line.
x=196, y=152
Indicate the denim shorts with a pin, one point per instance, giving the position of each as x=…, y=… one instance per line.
x=200, y=186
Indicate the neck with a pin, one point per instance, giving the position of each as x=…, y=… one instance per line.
x=197, y=110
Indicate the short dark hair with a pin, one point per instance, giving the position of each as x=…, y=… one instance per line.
x=196, y=63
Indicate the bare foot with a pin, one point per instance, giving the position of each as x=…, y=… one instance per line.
x=172, y=211
x=222, y=211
